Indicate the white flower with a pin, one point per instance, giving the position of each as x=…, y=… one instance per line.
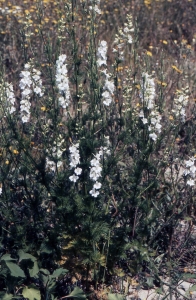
x=94, y=193
x=9, y=93
x=38, y=91
x=62, y=102
x=96, y=9
x=153, y=136
x=26, y=92
x=30, y=82
x=141, y=114
x=158, y=127
x=180, y=103
x=190, y=162
x=130, y=39
x=78, y=171
x=125, y=35
x=193, y=170
x=95, y=162
x=109, y=85
x=95, y=173
x=148, y=91
x=191, y=182
x=107, y=98
x=1, y=190
x=97, y=185
x=73, y=178
x=62, y=81
x=102, y=54
x=27, y=66
x=50, y=164
x=144, y=121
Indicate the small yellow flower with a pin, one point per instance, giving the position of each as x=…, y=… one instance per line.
x=176, y=69
x=165, y=42
x=119, y=69
x=161, y=83
x=7, y=162
x=149, y=53
x=137, y=86
x=171, y=118
x=184, y=41
x=15, y=151
x=43, y=108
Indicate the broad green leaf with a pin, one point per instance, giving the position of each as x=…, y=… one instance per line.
x=59, y=272
x=7, y=257
x=77, y=294
x=23, y=255
x=44, y=276
x=5, y=296
x=15, y=270
x=35, y=270
x=115, y=297
x=44, y=271
x=46, y=248
x=31, y=294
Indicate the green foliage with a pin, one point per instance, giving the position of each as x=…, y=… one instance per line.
x=77, y=294
x=31, y=293
x=115, y=297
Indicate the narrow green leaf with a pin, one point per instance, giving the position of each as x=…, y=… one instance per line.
x=31, y=294
x=188, y=276
x=15, y=270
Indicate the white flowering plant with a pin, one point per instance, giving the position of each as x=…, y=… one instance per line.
x=97, y=155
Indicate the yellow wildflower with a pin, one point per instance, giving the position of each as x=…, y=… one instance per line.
x=43, y=108
x=15, y=151
x=176, y=69
x=149, y=53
